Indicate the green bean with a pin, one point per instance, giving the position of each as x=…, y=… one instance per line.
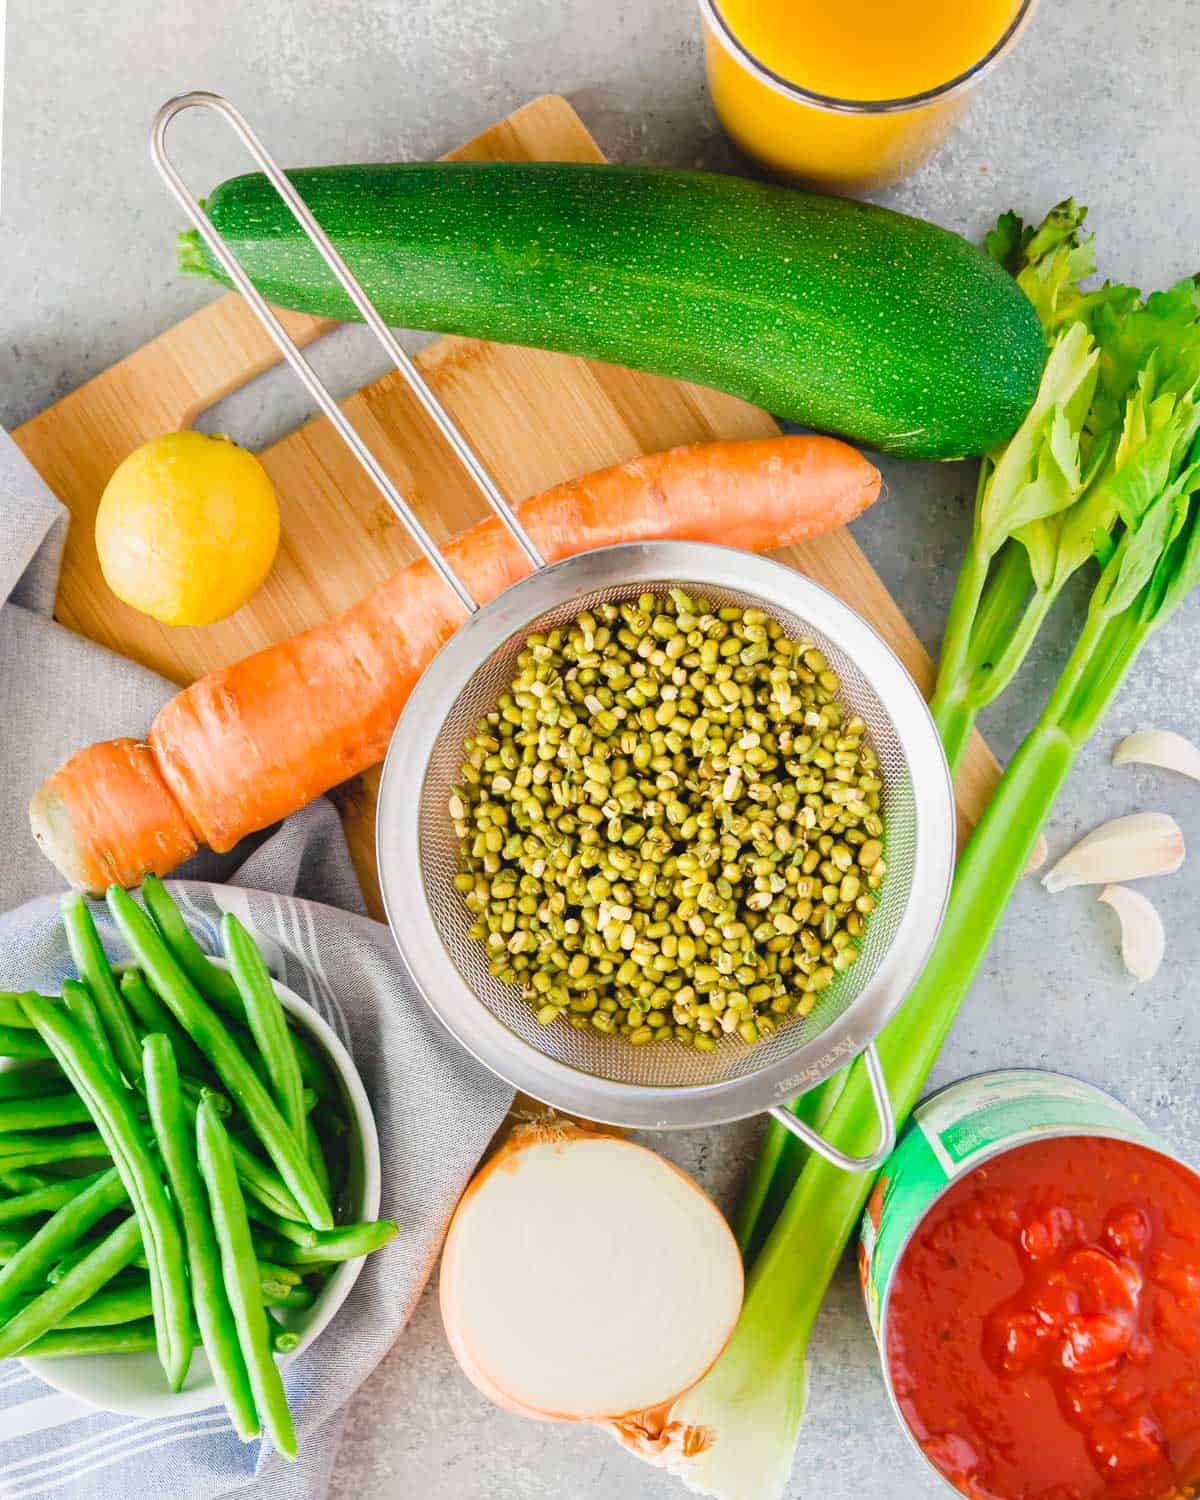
x=299, y=1234
x=67, y=1343
x=297, y=1297
x=53, y=1174
x=344, y=1243
x=115, y=1119
x=33, y=1148
x=133, y=1275
x=267, y=1021
x=155, y=1016
x=120, y=1301
x=316, y=1157
x=81, y=1282
x=135, y=1026
x=244, y=1041
x=58, y=1234
x=126, y=1301
x=214, y=983
x=32, y=1082
x=111, y=1305
x=276, y=1278
x=92, y=963
x=283, y=1340
x=193, y=1087
x=43, y=1199
x=213, y=1312
x=315, y=1071
x=42, y=1114
x=263, y=1183
x=16, y=1236
x=72, y=1258
x=17, y=1043
x=11, y=1011
x=48, y=1157
x=209, y=1032
x=78, y=1003
x=218, y=985
x=26, y=1182
x=241, y=1276
x=337, y=1138
x=258, y=1179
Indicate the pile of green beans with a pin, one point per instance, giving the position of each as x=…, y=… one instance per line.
x=670, y=824
x=167, y=1145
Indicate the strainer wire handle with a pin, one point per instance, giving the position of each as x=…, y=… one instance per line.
x=883, y=1109
x=370, y=315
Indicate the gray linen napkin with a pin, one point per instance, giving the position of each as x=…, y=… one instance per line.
x=435, y=1109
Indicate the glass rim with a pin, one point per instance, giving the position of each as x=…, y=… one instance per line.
x=710, y=11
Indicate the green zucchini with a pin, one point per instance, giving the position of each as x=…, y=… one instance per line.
x=835, y=314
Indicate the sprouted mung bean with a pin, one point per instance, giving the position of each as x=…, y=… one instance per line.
x=670, y=825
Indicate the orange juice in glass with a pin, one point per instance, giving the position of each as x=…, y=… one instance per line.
x=849, y=94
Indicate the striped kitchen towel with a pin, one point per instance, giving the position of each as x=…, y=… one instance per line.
x=434, y=1107
x=435, y=1110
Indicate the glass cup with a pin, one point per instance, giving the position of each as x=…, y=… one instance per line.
x=841, y=145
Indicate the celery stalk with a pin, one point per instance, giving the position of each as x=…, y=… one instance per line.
x=1113, y=422
x=781, y=1156
x=1000, y=623
x=751, y=1402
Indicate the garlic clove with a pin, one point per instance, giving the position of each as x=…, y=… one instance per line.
x=1142, y=938
x=1037, y=855
x=1129, y=848
x=1159, y=747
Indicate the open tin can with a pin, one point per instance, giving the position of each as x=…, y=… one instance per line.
x=951, y=1134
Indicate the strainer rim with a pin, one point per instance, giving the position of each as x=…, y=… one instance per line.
x=410, y=914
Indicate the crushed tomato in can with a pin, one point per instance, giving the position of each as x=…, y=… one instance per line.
x=1031, y=1257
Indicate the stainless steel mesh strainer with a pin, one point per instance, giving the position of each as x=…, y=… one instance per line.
x=602, y=1077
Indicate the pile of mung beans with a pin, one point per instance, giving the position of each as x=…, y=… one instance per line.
x=670, y=826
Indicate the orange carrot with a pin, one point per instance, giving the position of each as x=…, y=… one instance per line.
x=251, y=743
x=107, y=817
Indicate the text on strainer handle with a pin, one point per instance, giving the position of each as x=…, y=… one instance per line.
x=883, y=1109
x=291, y=351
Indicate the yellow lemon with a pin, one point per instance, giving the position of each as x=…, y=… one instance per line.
x=187, y=528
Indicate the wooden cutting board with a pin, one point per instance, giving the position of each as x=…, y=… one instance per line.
x=534, y=418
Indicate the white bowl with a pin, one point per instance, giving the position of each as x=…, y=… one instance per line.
x=133, y=1385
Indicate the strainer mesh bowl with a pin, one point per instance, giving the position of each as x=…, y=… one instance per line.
x=668, y=1063
x=664, y=1083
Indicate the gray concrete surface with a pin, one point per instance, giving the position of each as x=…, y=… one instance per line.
x=1096, y=103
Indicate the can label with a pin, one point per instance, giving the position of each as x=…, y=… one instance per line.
x=953, y=1132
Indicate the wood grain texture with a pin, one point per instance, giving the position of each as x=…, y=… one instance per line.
x=535, y=418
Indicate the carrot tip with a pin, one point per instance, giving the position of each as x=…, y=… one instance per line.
x=107, y=817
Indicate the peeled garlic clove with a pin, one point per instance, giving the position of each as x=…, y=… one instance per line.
x=1125, y=849
x=1142, y=939
x=1159, y=747
x=1037, y=855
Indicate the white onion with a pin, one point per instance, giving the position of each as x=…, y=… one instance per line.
x=584, y=1278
